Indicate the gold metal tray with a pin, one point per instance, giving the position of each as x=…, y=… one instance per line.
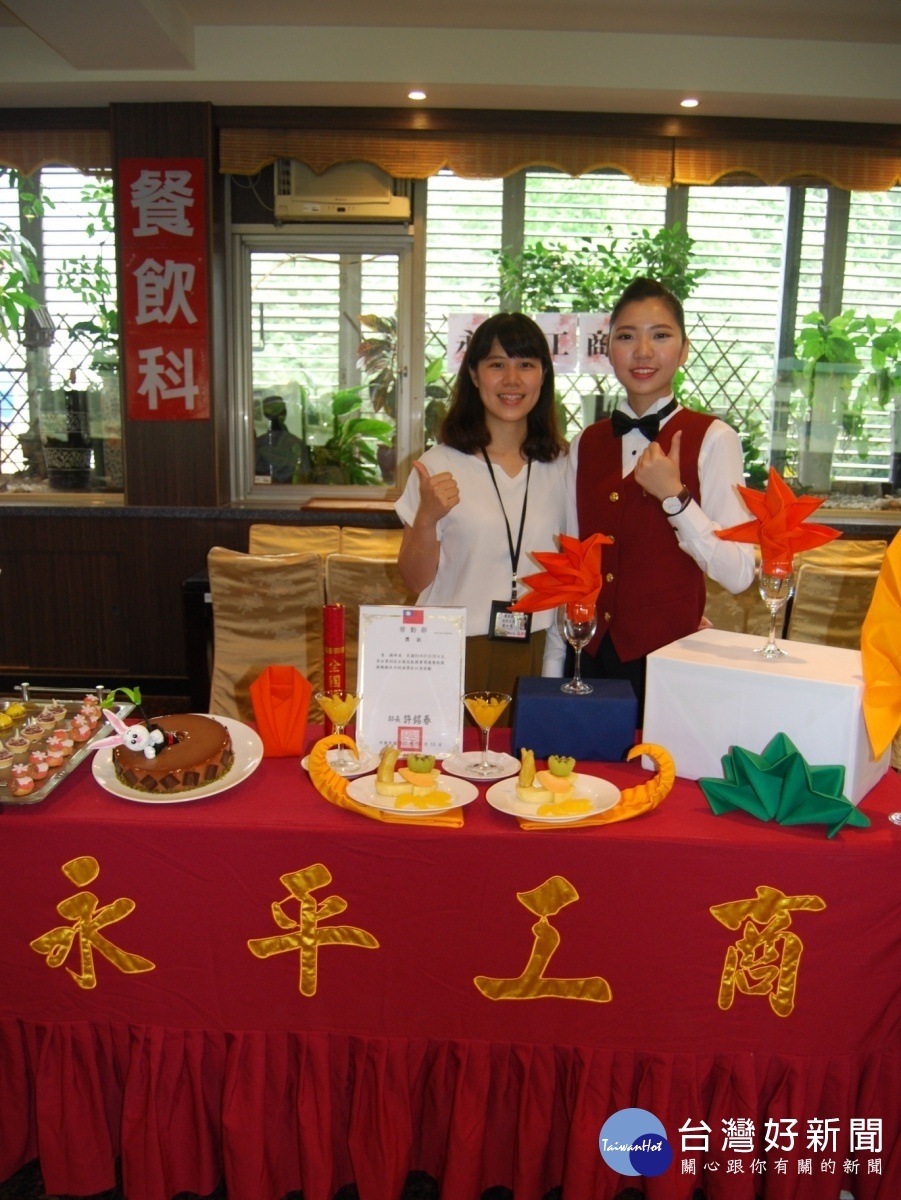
x=33, y=704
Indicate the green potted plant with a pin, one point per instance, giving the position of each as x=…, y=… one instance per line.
x=590, y=275
x=349, y=456
x=828, y=353
x=882, y=383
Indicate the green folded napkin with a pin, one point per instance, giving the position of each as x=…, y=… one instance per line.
x=778, y=785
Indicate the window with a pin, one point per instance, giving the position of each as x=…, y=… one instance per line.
x=324, y=358
x=60, y=417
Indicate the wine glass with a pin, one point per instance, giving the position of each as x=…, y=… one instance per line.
x=580, y=620
x=339, y=707
x=485, y=708
x=776, y=583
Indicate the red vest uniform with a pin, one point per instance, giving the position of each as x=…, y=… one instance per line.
x=652, y=591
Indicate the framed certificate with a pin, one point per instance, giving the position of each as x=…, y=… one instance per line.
x=411, y=679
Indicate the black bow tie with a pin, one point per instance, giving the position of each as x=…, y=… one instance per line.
x=649, y=424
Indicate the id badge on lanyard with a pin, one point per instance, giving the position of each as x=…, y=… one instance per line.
x=506, y=626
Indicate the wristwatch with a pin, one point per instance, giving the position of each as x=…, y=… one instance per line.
x=673, y=505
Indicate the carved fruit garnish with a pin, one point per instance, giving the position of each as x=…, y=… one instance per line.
x=420, y=762
x=560, y=765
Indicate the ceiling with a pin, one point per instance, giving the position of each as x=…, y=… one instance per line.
x=791, y=59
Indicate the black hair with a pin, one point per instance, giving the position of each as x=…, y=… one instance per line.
x=644, y=288
x=464, y=427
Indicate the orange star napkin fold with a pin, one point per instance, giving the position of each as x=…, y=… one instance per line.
x=880, y=652
x=281, y=701
x=333, y=787
x=778, y=526
x=572, y=576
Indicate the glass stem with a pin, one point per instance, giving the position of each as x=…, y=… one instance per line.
x=485, y=762
x=577, y=666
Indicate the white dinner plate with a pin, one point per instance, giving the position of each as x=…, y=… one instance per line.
x=462, y=764
x=363, y=791
x=600, y=792
x=248, y=749
x=367, y=761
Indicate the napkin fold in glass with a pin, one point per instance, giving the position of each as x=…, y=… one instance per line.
x=572, y=576
x=779, y=785
x=333, y=787
x=281, y=702
x=778, y=524
x=880, y=652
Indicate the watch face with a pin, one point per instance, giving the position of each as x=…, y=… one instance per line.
x=671, y=505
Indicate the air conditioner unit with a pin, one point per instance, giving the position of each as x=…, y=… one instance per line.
x=347, y=192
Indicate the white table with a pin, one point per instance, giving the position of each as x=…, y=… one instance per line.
x=709, y=692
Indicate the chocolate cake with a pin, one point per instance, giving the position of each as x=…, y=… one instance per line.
x=202, y=754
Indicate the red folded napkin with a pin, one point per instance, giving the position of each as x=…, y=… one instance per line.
x=571, y=577
x=281, y=701
x=778, y=525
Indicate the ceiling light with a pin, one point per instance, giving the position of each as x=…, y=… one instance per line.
x=689, y=102
x=416, y=95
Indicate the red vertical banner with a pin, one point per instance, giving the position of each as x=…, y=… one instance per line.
x=334, y=656
x=163, y=235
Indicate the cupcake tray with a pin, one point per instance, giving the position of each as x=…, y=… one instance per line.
x=33, y=703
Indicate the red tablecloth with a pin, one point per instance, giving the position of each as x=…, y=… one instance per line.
x=215, y=1061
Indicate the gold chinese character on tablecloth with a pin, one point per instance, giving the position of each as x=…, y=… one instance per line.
x=306, y=934
x=765, y=959
x=545, y=901
x=87, y=921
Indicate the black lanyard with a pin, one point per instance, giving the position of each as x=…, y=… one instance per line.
x=514, y=553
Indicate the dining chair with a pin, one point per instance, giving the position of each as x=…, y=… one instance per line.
x=352, y=580
x=371, y=543
x=846, y=554
x=829, y=604
x=267, y=610
x=294, y=539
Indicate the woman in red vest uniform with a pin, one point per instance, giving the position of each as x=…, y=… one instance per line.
x=658, y=479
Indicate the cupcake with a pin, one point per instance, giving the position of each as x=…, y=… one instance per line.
x=15, y=711
x=20, y=782
x=38, y=765
x=6, y=722
x=32, y=731
x=46, y=719
x=58, y=709
x=54, y=754
x=66, y=743
x=17, y=744
x=6, y=759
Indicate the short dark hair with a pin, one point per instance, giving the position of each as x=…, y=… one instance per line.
x=464, y=426
x=644, y=288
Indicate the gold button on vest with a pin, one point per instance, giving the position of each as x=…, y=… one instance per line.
x=614, y=496
x=609, y=577
x=608, y=617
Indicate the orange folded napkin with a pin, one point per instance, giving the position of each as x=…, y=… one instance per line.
x=778, y=525
x=880, y=651
x=281, y=701
x=571, y=577
x=633, y=802
x=333, y=787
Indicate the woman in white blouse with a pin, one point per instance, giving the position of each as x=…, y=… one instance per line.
x=490, y=493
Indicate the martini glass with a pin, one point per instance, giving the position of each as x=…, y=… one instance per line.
x=776, y=583
x=580, y=620
x=339, y=707
x=485, y=708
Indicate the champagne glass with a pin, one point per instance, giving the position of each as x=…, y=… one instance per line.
x=776, y=583
x=339, y=707
x=580, y=620
x=485, y=708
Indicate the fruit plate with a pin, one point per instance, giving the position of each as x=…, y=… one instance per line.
x=363, y=791
x=248, y=749
x=600, y=792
